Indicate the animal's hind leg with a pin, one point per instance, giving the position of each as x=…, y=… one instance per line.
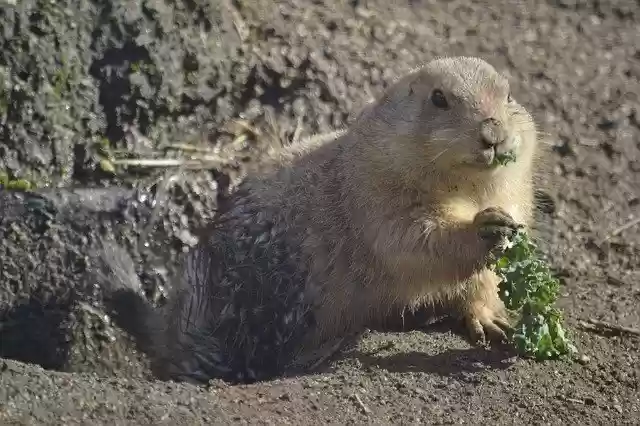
x=189, y=350
x=188, y=353
x=483, y=311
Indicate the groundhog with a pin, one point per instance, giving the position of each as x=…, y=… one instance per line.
x=403, y=209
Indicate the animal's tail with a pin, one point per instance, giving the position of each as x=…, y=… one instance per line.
x=114, y=270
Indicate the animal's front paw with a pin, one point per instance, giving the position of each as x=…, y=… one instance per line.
x=483, y=321
x=495, y=226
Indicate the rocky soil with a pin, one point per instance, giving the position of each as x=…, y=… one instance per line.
x=111, y=108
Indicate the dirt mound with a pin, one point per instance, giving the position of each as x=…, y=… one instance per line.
x=85, y=85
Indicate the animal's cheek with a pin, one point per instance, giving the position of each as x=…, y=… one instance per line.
x=516, y=141
x=450, y=133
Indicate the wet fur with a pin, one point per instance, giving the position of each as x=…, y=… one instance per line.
x=360, y=224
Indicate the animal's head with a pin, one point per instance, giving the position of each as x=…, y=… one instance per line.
x=453, y=113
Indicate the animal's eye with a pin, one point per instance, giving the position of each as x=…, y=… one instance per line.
x=438, y=99
x=509, y=98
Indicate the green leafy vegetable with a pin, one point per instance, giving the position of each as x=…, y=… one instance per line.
x=529, y=288
x=504, y=158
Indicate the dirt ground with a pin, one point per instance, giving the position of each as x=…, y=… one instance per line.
x=288, y=69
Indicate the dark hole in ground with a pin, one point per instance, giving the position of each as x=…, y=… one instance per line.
x=37, y=332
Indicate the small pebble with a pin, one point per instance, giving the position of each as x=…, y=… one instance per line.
x=584, y=359
x=187, y=238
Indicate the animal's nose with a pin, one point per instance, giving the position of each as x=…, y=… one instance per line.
x=492, y=132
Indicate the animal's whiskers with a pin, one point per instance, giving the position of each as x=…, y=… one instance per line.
x=448, y=146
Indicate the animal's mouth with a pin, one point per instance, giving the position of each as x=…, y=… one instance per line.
x=502, y=159
x=494, y=157
x=501, y=154
x=487, y=156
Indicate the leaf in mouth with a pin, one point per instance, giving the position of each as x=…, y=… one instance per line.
x=504, y=158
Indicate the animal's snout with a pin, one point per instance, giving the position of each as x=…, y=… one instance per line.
x=492, y=132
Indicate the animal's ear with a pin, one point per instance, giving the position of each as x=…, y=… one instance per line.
x=393, y=95
x=398, y=91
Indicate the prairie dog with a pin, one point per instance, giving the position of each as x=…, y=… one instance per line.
x=403, y=208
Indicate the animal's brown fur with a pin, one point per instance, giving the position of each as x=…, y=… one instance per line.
x=387, y=215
